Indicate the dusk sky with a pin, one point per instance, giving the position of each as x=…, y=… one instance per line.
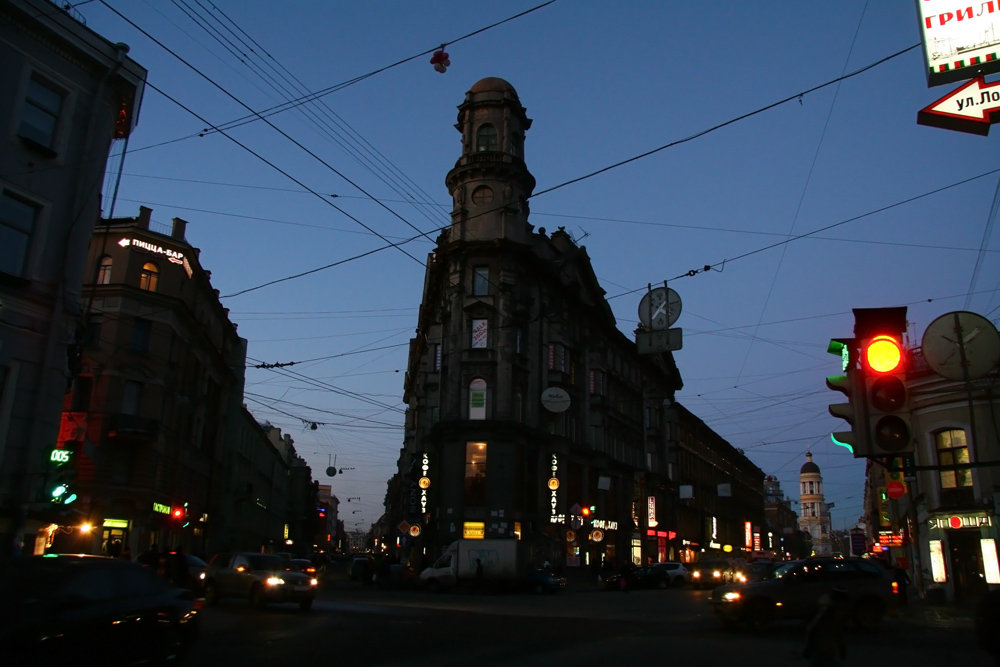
x=803, y=207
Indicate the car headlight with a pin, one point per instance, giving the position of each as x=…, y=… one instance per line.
x=716, y=574
x=731, y=596
x=275, y=581
x=314, y=582
x=202, y=576
x=742, y=578
x=696, y=574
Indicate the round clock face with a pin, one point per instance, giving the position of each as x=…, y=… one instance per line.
x=660, y=308
x=961, y=346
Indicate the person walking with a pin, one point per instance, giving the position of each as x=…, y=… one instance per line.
x=826, y=645
x=480, y=576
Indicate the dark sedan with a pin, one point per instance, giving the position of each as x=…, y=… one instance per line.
x=543, y=581
x=55, y=608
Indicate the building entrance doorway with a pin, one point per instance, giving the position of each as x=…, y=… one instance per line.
x=965, y=553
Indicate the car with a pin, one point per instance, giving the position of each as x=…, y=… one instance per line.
x=758, y=569
x=52, y=607
x=362, y=568
x=302, y=565
x=712, y=572
x=541, y=581
x=396, y=575
x=648, y=576
x=259, y=578
x=792, y=590
x=673, y=573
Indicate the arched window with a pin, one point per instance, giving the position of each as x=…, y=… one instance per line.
x=149, y=278
x=104, y=271
x=486, y=138
x=477, y=399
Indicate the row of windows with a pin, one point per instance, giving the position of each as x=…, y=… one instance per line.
x=149, y=277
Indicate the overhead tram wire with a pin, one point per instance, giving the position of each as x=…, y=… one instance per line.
x=677, y=143
x=337, y=128
x=709, y=267
x=802, y=196
x=326, y=91
x=282, y=133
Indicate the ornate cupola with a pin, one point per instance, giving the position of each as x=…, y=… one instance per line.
x=490, y=183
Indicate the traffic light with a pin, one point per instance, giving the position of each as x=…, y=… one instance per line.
x=851, y=384
x=884, y=360
x=61, y=490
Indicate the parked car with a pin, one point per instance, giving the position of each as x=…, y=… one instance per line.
x=54, y=607
x=672, y=574
x=793, y=589
x=712, y=572
x=759, y=569
x=259, y=578
x=543, y=581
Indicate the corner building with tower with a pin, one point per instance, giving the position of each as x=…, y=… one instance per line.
x=530, y=415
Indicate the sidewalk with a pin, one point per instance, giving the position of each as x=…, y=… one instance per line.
x=946, y=614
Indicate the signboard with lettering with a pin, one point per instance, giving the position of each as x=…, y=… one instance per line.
x=961, y=40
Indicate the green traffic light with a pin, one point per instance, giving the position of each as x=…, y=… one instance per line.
x=58, y=491
x=842, y=444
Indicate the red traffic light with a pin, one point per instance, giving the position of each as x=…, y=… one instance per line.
x=585, y=511
x=178, y=513
x=883, y=354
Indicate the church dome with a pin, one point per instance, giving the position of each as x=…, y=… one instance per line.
x=492, y=84
x=809, y=466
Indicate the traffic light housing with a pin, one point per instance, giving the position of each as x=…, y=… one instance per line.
x=885, y=362
x=61, y=489
x=851, y=384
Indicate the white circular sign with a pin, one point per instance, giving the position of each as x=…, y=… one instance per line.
x=555, y=399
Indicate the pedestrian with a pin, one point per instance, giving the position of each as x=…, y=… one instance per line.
x=986, y=623
x=826, y=645
x=900, y=576
x=480, y=576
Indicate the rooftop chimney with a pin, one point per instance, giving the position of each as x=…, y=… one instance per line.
x=144, y=214
x=178, y=230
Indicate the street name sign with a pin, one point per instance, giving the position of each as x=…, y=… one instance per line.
x=971, y=108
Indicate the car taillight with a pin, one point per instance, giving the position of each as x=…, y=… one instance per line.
x=199, y=604
x=895, y=588
x=311, y=570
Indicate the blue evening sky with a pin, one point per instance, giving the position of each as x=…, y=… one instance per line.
x=877, y=200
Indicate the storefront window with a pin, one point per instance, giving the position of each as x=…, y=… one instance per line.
x=475, y=474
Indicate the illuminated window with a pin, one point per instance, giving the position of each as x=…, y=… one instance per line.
x=953, y=449
x=17, y=225
x=475, y=474
x=477, y=399
x=486, y=138
x=40, y=115
x=104, y=271
x=149, y=279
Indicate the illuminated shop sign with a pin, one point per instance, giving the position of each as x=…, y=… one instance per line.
x=937, y=562
x=960, y=521
x=473, y=530
x=115, y=523
x=425, y=481
x=553, y=485
x=171, y=255
x=161, y=508
x=756, y=541
x=747, y=534
x=887, y=538
x=651, y=511
x=604, y=524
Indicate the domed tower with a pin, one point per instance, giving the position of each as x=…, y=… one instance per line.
x=490, y=183
x=815, y=518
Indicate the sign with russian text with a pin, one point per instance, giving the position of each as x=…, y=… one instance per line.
x=959, y=521
x=961, y=39
x=152, y=248
x=971, y=108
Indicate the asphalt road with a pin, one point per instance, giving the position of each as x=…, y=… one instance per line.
x=354, y=625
